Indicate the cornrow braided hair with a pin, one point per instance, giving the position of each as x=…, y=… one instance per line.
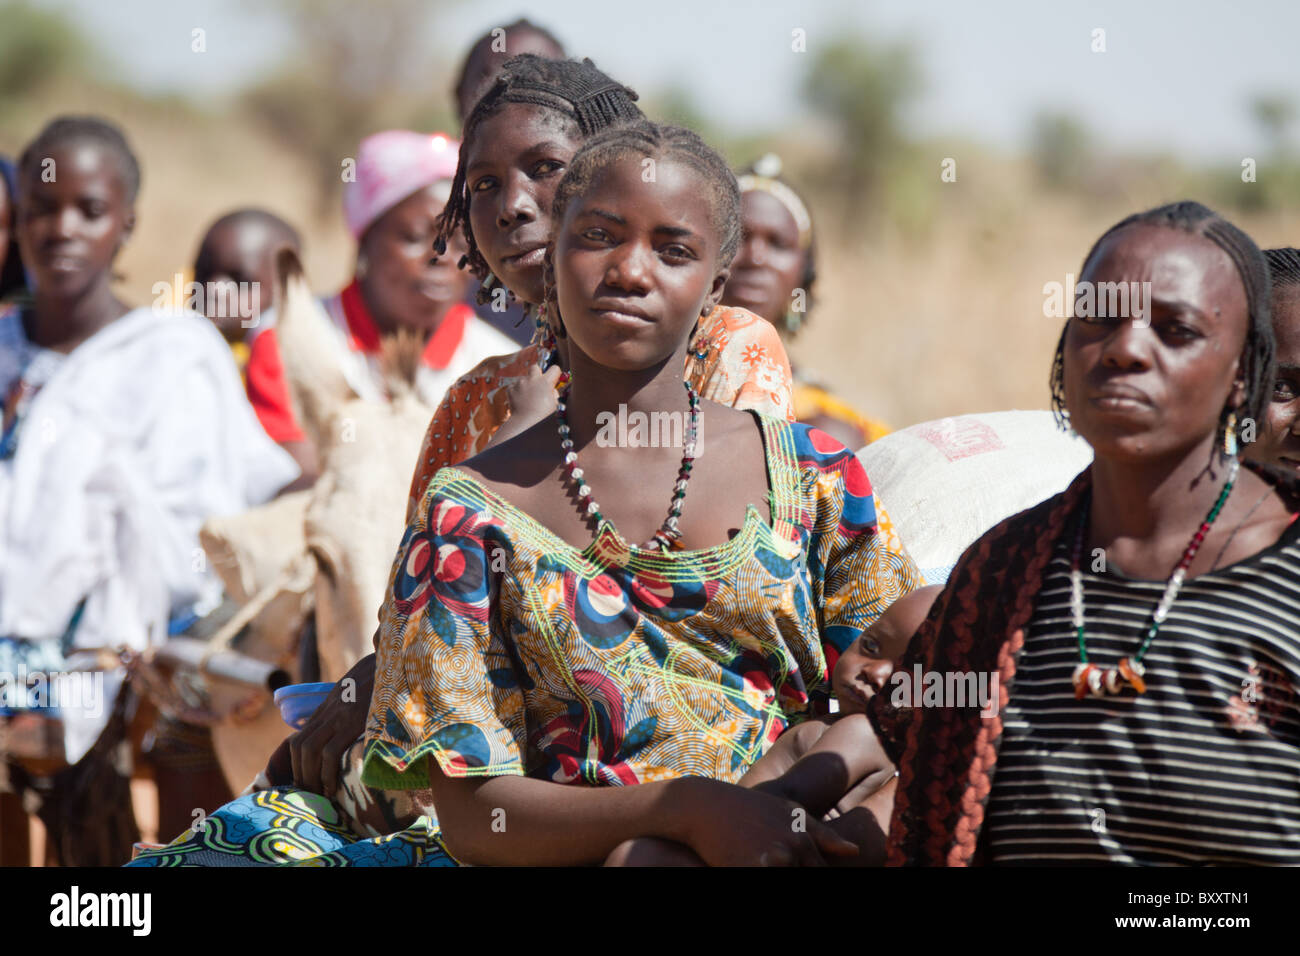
x=659, y=141
x=574, y=89
x=1283, y=267
x=70, y=129
x=1256, y=368
x=652, y=141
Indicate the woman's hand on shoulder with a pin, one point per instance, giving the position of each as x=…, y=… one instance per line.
x=532, y=398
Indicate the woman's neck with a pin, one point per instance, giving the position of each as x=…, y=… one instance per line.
x=596, y=389
x=1148, y=500
x=62, y=324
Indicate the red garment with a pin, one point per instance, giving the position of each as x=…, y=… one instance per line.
x=268, y=390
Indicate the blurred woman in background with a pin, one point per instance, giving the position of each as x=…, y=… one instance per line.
x=123, y=431
x=392, y=208
x=1143, y=622
x=236, y=256
x=773, y=277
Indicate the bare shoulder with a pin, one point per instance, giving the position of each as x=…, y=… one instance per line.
x=517, y=465
x=729, y=432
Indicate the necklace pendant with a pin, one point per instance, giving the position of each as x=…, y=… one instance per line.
x=1091, y=680
x=1082, y=674
x=1132, y=671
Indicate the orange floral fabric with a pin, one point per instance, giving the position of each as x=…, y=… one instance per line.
x=744, y=366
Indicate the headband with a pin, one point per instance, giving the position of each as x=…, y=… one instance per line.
x=761, y=181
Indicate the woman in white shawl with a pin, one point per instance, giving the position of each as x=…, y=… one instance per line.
x=123, y=430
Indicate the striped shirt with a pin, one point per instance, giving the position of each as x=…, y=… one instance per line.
x=1204, y=768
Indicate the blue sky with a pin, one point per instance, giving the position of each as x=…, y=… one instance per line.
x=1175, y=75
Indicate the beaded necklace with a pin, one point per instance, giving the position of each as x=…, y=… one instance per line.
x=668, y=532
x=1091, y=679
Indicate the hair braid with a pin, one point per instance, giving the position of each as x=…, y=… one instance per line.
x=574, y=89
x=1283, y=267
x=655, y=140
x=483, y=47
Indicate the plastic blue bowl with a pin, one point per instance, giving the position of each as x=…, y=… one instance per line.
x=297, y=702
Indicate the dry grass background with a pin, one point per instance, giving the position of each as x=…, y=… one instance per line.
x=915, y=329
x=916, y=318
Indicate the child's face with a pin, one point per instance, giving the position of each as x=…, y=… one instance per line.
x=636, y=263
x=515, y=161
x=865, y=667
x=71, y=227
x=234, y=253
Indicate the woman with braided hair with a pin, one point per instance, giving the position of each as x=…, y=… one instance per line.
x=517, y=142
x=557, y=676
x=1142, y=624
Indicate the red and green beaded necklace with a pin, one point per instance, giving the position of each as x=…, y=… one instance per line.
x=1091, y=679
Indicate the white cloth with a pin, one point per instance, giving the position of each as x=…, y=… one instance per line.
x=479, y=342
x=138, y=436
x=947, y=482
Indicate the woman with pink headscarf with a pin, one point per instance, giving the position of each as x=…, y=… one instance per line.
x=402, y=182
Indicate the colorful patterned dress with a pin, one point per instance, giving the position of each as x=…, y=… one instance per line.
x=505, y=650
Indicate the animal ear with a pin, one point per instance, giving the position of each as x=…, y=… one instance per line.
x=317, y=385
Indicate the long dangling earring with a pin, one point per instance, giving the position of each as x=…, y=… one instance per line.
x=488, y=291
x=545, y=334
x=698, y=345
x=1063, y=422
x=1230, y=436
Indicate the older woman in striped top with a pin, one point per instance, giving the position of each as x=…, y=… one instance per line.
x=1143, y=624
